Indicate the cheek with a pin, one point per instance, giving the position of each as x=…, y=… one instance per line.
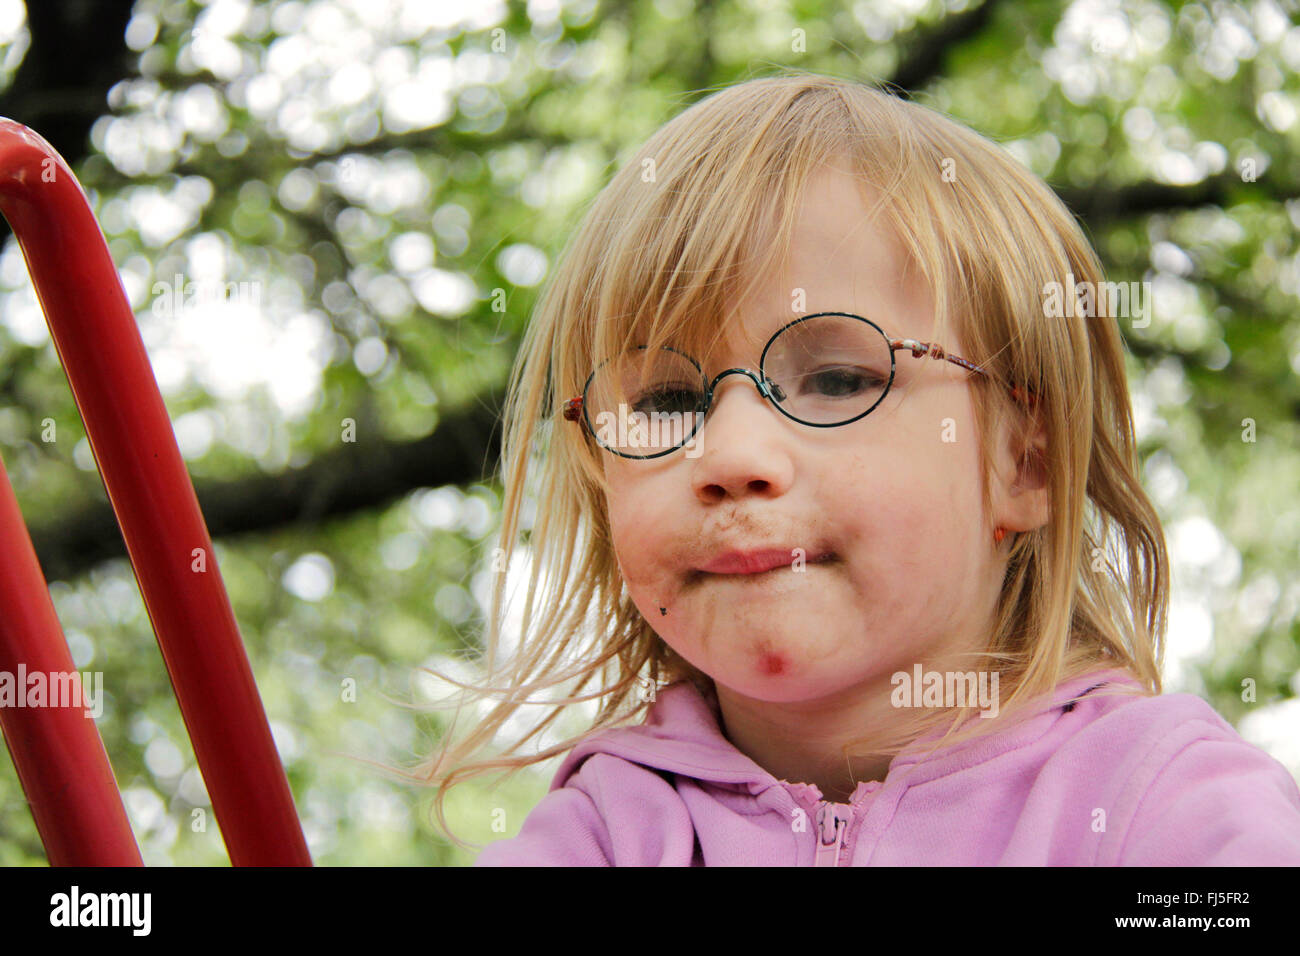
x=639, y=527
x=911, y=504
x=645, y=519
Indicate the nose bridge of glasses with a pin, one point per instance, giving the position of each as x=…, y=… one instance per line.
x=750, y=374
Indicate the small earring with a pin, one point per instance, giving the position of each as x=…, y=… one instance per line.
x=999, y=534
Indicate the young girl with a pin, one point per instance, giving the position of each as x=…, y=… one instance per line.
x=839, y=512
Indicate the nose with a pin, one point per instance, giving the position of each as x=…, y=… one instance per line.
x=743, y=443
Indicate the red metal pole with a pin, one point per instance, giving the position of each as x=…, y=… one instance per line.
x=57, y=751
x=135, y=448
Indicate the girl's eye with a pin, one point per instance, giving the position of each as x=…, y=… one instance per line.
x=668, y=399
x=842, y=381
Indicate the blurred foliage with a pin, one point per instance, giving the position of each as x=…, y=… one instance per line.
x=396, y=180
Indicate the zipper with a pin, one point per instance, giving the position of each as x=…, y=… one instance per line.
x=832, y=824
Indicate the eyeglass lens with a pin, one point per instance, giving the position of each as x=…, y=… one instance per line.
x=822, y=370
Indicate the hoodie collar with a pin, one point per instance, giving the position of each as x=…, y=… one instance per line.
x=681, y=734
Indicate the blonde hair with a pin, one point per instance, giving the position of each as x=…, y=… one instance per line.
x=710, y=199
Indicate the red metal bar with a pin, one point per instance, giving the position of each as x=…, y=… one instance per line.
x=135, y=448
x=57, y=751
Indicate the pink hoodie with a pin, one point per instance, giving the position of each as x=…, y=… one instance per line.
x=1087, y=780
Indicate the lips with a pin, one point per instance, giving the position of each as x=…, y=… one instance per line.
x=759, y=561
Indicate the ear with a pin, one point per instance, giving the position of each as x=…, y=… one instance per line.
x=1019, y=481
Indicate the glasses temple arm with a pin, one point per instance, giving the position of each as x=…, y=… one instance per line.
x=1021, y=393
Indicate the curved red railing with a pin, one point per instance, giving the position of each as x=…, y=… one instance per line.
x=58, y=753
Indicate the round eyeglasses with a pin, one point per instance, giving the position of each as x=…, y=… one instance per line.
x=822, y=370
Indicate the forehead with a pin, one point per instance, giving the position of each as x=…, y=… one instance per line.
x=844, y=257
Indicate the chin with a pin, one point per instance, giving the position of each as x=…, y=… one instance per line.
x=756, y=680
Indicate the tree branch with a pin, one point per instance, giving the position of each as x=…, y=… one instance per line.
x=1099, y=203
x=78, y=51
x=925, y=59
x=354, y=477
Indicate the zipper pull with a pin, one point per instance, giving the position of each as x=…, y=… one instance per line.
x=832, y=822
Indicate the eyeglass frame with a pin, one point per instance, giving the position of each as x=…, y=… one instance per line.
x=574, y=409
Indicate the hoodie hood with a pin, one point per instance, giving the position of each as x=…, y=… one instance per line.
x=682, y=735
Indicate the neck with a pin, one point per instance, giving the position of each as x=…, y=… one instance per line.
x=802, y=741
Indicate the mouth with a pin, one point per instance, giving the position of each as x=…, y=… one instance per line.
x=755, y=564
